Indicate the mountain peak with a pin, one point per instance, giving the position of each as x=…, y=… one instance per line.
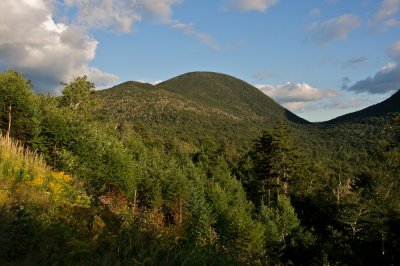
x=228, y=93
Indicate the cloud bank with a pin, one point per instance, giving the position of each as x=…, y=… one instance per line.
x=385, y=80
x=296, y=96
x=49, y=52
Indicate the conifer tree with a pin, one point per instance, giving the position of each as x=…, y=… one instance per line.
x=272, y=165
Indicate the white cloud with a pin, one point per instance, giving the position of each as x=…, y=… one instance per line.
x=160, y=9
x=46, y=51
x=334, y=29
x=249, y=5
x=189, y=29
x=296, y=96
x=387, y=15
x=121, y=15
x=155, y=82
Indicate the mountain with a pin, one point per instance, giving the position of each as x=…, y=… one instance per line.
x=390, y=105
x=228, y=93
x=204, y=93
x=193, y=106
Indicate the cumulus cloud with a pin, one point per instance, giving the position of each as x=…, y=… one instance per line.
x=295, y=96
x=354, y=62
x=249, y=5
x=334, y=29
x=387, y=16
x=49, y=52
x=385, y=80
x=120, y=15
x=46, y=51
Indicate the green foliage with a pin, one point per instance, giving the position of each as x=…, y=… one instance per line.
x=18, y=103
x=281, y=223
x=167, y=175
x=270, y=166
x=191, y=109
x=199, y=226
x=229, y=94
x=76, y=94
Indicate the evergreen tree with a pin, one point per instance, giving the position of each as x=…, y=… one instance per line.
x=270, y=166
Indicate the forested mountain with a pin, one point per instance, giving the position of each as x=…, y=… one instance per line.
x=193, y=107
x=202, y=169
x=203, y=93
x=231, y=94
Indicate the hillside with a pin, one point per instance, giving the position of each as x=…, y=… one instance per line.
x=193, y=106
x=149, y=175
x=390, y=105
x=230, y=94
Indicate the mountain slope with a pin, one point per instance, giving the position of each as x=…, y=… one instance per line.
x=192, y=107
x=227, y=93
x=391, y=105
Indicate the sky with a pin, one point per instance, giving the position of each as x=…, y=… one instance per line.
x=318, y=58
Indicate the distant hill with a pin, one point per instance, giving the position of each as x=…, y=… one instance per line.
x=193, y=106
x=390, y=105
x=228, y=93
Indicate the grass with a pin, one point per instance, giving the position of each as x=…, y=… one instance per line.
x=26, y=178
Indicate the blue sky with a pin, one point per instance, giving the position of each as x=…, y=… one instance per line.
x=320, y=59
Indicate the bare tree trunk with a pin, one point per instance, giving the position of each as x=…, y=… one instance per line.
x=383, y=242
x=9, y=123
x=135, y=201
x=180, y=209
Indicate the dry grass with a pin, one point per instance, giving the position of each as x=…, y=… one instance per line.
x=25, y=177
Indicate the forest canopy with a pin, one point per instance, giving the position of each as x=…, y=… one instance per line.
x=85, y=183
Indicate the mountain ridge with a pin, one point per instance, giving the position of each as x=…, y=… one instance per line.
x=219, y=91
x=229, y=96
